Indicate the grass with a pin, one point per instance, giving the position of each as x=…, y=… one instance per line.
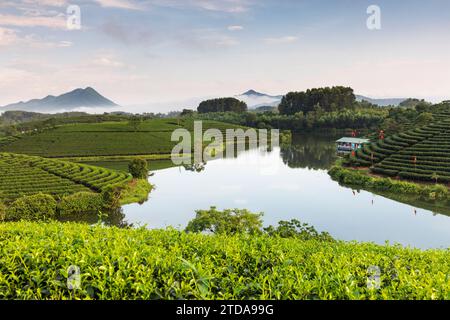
x=104, y=139
x=142, y=264
x=27, y=175
x=136, y=191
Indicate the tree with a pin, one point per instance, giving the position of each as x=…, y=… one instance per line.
x=424, y=118
x=222, y=105
x=329, y=99
x=138, y=168
x=229, y=221
x=250, y=119
x=296, y=229
x=111, y=197
x=187, y=113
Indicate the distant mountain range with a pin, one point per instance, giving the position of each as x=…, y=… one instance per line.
x=256, y=99
x=89, y=100
x=381, y=102
x=70, y=101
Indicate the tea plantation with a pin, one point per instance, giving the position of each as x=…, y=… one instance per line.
x=421, y=154
x=104, y=139
x=168, y=264
x=22, y=175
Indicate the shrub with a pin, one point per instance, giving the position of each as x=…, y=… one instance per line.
x=296, y=229
x=111, y=197
x=2, y=211
x=435, y=192
x=230, y=221
x=138, y=168
x=34, y=208
x=140, y=264
x=79, y=203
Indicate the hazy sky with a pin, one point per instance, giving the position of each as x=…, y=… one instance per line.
x=141, y=51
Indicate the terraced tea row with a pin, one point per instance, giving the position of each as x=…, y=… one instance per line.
x=419, y=154
x=26, y=175
x=104, y=139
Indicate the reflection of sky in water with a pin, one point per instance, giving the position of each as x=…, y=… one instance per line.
x=263, y=183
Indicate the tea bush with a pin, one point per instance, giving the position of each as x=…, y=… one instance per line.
x=80, y=203
x=36, y=207
x=168, y=264
x=2, y=211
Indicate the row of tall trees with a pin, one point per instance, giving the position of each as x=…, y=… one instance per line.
x=327, y=99
x=222, y=105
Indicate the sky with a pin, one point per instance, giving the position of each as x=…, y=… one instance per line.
x=138, y=52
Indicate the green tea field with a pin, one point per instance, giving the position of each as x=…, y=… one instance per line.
x=22, y=175
x=104, y=139
x=421, y=154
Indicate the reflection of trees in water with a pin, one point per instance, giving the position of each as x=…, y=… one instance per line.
x=312, y=152
x=114, y=217
x=195, y=167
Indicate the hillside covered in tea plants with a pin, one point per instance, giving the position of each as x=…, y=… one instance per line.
x=167, y=264
x=104, y=139
x=421, y=153
x=22, y=175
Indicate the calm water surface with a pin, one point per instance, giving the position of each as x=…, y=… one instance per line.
x=286, y=184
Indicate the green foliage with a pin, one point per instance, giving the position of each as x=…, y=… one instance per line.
x=27, y=175
x=138, y=168
x=2, y=212
x=229, y=221
x=299, y=122
x=356, y=178
x=187, y=113
x=80, y=203
x=420, y=154
x=116, y=138
x=136, y=191
x=112, y=196
x=424, y=118
x=328, y=99
x=36, y=207
x=296, y=229
x=135, y=122
x=124, y=264
x=222, y=105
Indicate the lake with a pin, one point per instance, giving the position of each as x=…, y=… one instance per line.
x=289, y=183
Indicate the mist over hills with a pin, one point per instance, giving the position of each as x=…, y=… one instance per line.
x=381, y=102
x=90, y=101
x=70, y=101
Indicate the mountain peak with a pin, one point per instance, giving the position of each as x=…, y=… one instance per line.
x=70, y=101
x=252, y=92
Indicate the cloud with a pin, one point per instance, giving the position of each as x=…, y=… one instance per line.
x=107, y=61
x=206, y=39
x=55, y=22
x=7, y=37
x=280, y=40
x=64, y=44
x=11, y=37
x=120, y=4
x=50, y=3
x=127, y=34
x=235, y=28
x=229, y=6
